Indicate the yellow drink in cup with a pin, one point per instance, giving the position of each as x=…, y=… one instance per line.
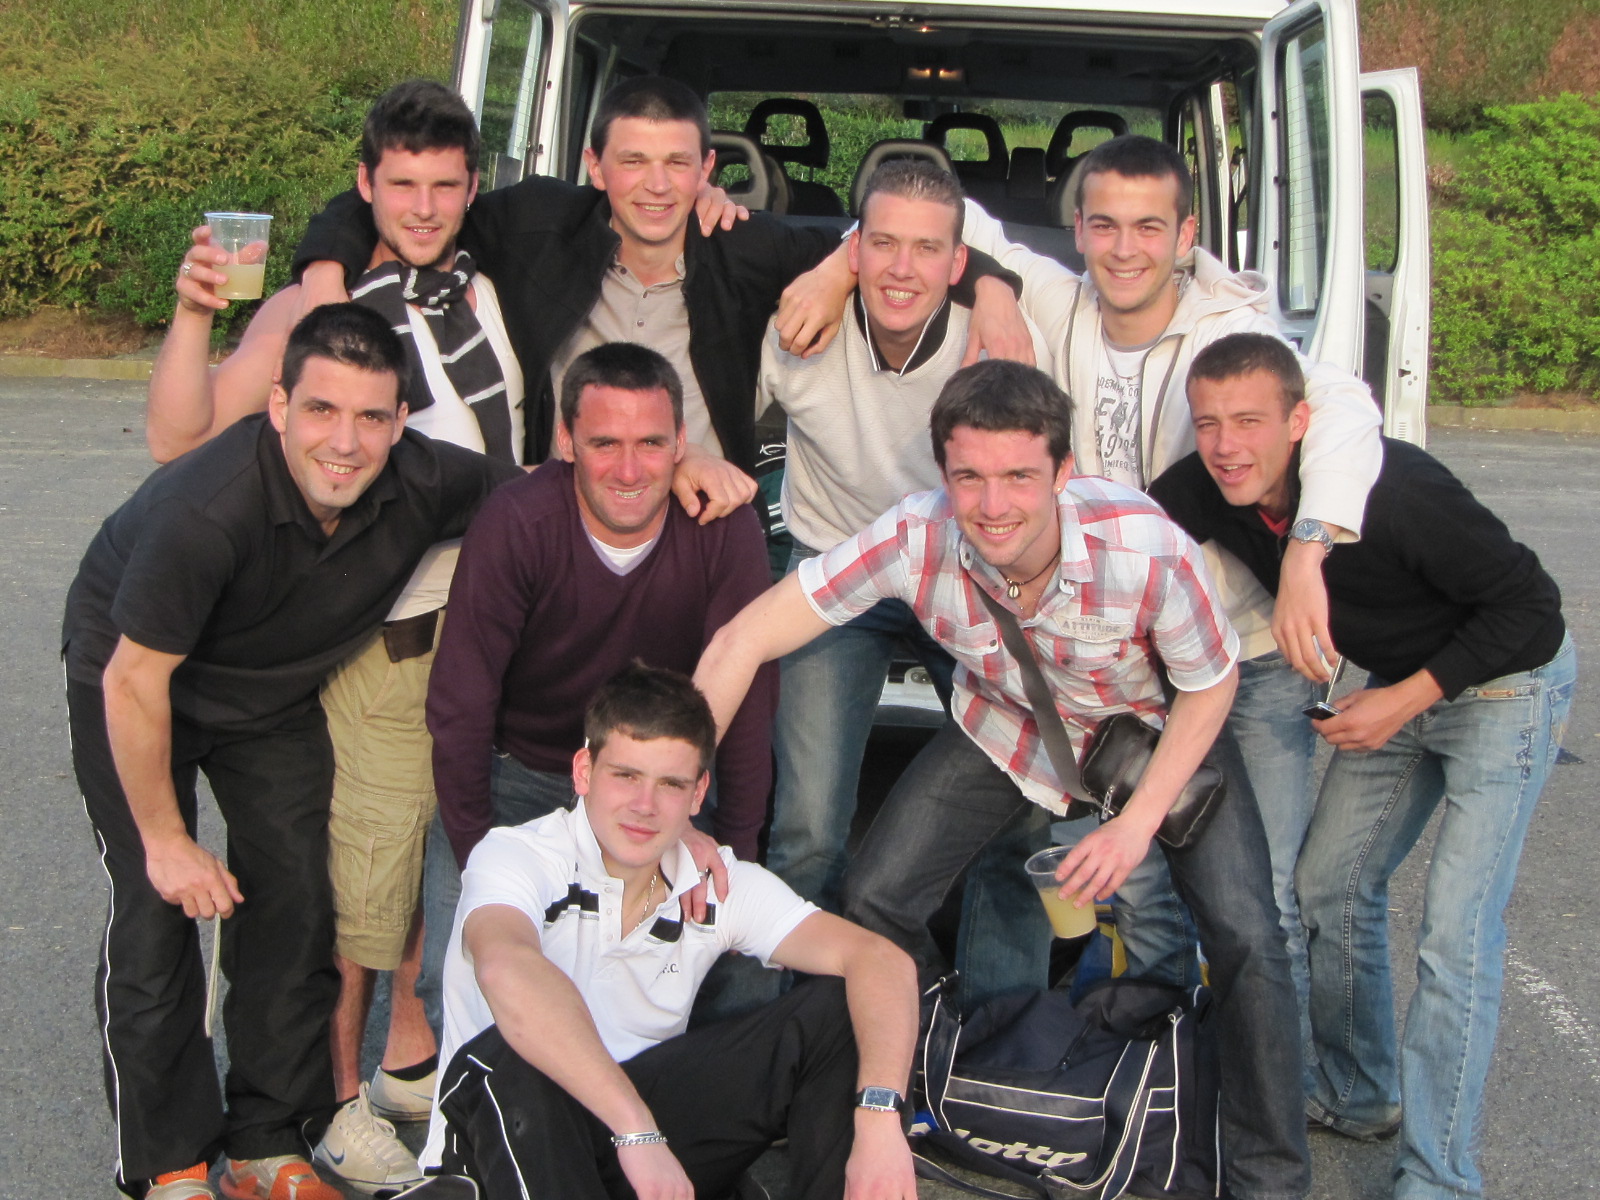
x=245, y=280
x=243, y=237
x=1067, y=920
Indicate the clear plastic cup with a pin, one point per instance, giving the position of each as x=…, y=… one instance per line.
x=244, y=237
x=1065, y=919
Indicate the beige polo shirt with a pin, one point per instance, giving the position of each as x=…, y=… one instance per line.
x=654, y=316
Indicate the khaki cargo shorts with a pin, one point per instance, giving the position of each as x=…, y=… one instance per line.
x=383, y=799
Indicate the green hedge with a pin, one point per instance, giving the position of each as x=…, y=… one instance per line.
x=121, y=126
x=1516, y=257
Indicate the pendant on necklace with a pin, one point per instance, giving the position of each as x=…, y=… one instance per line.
x=1013, y=589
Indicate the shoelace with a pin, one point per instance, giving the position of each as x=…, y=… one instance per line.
x=375, y=1133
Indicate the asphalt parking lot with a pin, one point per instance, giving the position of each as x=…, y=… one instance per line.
x=70, y=451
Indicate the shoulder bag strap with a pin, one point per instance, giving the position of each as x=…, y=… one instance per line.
x=1052, y=732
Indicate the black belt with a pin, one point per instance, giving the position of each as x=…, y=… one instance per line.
x=412, y=637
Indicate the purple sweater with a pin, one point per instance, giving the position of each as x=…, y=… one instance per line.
x=537, y=621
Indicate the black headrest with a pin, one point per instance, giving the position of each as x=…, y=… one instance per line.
x=992, y=167
x=881, y=152
x=1055, y=155
x=814, y=153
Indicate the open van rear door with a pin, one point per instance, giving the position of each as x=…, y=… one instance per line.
x=1308, y=227
x=507, y=54
x=1398, y=300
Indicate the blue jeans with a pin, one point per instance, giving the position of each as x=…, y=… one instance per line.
x=828, y=696
x=1277, y=746
x=1484, y=756
x=826, y=701
x=518, y=794
x=953, y=798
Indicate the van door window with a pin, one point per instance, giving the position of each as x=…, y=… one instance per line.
x=1303, y=103
x=512, y=84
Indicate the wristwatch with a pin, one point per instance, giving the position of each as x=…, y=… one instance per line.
x=880, y=1099
x=1309, y=529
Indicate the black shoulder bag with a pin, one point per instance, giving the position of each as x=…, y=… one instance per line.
x=1115, y=756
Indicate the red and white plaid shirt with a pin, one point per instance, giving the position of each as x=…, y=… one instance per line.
x=1129, y=579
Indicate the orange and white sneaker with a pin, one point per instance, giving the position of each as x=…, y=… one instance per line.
x=192, y=1183
x=282, y=1177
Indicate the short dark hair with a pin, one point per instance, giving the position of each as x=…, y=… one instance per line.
x=419, y=115
x=1000, y=396
x=1246, y=353
x=650, y=98
x=625, y=365
x=647, y=703
x=1134, y=156
x=917, y=179
x=350, y=334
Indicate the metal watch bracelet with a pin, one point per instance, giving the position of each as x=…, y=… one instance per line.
x=650, y=1137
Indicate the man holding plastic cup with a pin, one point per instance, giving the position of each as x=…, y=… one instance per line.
x=1101, y=583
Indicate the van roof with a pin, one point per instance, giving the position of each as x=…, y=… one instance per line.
x=1251, y=13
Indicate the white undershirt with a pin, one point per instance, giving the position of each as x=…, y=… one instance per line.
x=1117, y=425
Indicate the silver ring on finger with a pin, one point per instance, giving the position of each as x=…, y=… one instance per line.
x=188, y=267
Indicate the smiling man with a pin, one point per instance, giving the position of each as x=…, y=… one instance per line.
x=565, y=578
x=575, y=961
x=857, y=416
x=419, y=171
x=205, y=616
x=1471, y=678
x=1103, y=587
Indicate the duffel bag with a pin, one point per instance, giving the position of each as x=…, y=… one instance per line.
x=1113, y=1096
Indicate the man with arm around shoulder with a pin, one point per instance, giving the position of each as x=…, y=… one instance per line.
x=1471, y=678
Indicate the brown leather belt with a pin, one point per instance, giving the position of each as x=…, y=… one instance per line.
x=412, y=637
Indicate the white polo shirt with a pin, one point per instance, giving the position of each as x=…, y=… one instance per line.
x=639, y=987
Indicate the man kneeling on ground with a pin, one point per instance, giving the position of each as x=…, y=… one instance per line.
x=572, y=968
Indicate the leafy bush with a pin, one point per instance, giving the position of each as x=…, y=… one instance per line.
x=120, y=125
x=1515, y=247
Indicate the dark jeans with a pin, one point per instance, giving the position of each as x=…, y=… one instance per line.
x=722, y=1095
x=518, y=794
x=951, y=801
x=277, y=950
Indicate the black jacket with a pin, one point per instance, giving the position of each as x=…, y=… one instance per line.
x=1436, y=581
x=547, y=243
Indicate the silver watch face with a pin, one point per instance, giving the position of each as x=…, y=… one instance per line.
x=879, y=1097
x=1311, y=530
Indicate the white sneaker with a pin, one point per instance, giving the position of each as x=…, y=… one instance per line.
x=362, y=1150
x=403, y=1099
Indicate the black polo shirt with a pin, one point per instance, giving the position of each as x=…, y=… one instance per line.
x=217, y=557
x=1436, y=581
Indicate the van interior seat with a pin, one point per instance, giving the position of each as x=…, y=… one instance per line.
x=890, y=148
x=991, y=169
x=767, y=187
x=806, y=197
x=1058, y=159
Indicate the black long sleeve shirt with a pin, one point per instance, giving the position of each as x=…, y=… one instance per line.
x=1436, y=583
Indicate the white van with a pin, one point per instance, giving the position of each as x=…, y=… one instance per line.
x=1306, y=169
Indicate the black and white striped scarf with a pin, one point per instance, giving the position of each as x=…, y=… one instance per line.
x=469, y=361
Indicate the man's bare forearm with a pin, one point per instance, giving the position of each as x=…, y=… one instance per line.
x=770, y=626
x=881, y=989
x=179, y=414
x=139, y=726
